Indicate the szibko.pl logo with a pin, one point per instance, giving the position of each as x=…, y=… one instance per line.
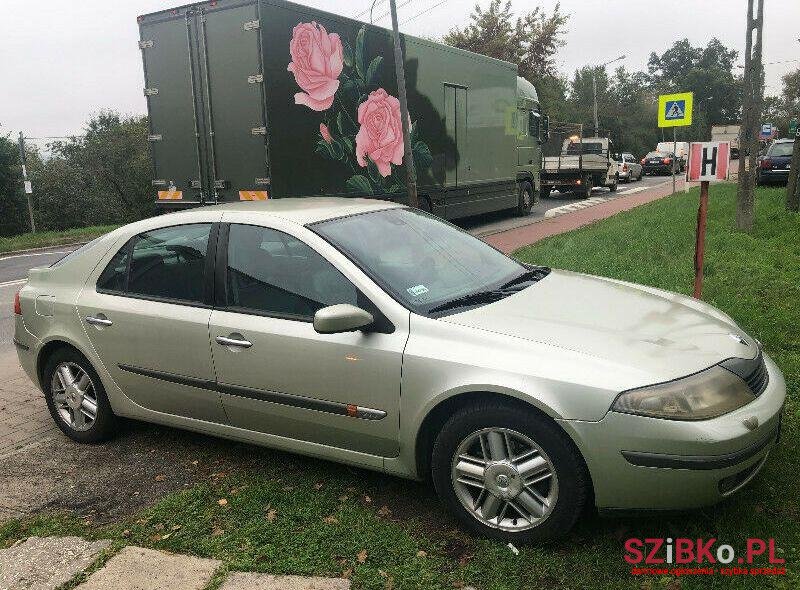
x=701, y=556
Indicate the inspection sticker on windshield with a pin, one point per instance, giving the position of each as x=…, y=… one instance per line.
x=418, y=290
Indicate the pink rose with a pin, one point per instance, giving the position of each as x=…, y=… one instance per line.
x=316, y=64
x=381, y=134
x=323, y=131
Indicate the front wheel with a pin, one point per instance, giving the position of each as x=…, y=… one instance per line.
x=509, y=475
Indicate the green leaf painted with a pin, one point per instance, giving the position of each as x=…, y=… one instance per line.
x=397, y=188
x=413, y=132
x=372, y=71
x=340, y=123
x=359, y=184
x=347, y=53
x=358, y=56
x=422, y=155
x=374, y=175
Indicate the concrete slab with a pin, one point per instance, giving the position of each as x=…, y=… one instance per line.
x=136, y=568
x=252, y=581
x=44, y=563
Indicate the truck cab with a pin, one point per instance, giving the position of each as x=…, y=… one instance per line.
x=532, y=130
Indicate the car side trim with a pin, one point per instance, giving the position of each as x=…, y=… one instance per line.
x=698, y=462
x=274, y=397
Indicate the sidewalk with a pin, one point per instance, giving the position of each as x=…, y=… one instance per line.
x=514, y=239
x=45, y=563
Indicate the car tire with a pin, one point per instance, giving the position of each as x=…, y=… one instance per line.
x=567, y=487
x=81, y=412
x=525, y=199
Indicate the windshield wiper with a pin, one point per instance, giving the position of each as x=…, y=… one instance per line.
x=537, y=273
x=471, y=299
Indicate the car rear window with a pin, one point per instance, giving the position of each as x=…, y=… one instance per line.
x=781, y=149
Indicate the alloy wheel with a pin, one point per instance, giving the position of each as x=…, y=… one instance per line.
x=74, y=396
x=504, y=479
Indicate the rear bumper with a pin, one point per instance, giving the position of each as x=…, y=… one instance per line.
x=773, y=176
x=27, y=346
x=639, y=463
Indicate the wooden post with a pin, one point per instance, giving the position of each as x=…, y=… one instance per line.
x=700, y=243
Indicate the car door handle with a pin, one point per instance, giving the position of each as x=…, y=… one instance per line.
x=228, y=341
x=100, y=320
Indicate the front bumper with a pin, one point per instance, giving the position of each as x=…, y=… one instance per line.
x=640, y=463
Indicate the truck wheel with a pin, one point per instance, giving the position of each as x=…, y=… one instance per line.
x=587, y=188
x=613, y=187
x=544, y=191
x=525, y=199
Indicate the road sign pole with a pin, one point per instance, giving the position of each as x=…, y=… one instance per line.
x=700, y=243
x=674, y=156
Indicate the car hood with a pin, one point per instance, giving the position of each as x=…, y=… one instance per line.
x=663, y=334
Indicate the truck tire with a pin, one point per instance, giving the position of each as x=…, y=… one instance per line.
x=613, y=186
x=586, y=191
x=544, y=191
x=525, y=199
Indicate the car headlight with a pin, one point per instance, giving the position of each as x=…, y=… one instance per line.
x=707, y=394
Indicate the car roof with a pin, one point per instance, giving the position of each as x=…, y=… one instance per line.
x=306, y=210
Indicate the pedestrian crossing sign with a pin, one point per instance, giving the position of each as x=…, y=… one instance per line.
x=675, y=110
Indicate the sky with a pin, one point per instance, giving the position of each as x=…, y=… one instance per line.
x=62, y=60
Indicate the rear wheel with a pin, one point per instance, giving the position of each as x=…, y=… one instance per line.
x=588, y=185
x=509, y=475
x=76, y=398
x=613, y=186
x=525, y=199
x=544, y=191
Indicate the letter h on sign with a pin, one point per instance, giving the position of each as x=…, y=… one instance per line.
x=708, y=161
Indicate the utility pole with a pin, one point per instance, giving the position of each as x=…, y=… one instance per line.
x=594, y=91
x=751, y=113
x=405, y=119
x=793, y=186
x=27, y=183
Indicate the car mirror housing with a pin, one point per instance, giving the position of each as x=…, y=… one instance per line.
x=341, y=318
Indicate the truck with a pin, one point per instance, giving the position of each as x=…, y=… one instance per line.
x=266, y=99
x=584, y=163
x=730, y=133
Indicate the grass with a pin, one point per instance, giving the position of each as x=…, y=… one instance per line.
x=310, y=517
x=53, y=238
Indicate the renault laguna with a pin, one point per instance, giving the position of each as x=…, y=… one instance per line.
x=377, y=335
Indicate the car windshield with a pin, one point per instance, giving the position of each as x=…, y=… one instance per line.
x=421, y=261
x=781, y=149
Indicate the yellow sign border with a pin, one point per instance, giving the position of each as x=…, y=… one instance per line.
x=688, y=97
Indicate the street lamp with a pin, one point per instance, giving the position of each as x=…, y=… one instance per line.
x=594, y=91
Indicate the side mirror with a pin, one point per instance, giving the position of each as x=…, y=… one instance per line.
x=341, y=318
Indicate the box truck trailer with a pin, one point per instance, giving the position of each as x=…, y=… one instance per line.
x=263, y=99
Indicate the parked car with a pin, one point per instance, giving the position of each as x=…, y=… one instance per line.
x=377, y=335
x=680, y=148
x=773, y=166
x=629, y=167
x=660, y=163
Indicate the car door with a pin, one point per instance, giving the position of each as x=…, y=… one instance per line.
x=276, y=374
x=146, y=312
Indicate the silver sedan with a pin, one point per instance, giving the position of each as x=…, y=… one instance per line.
x=377, y=335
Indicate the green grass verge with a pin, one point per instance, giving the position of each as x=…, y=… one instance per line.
x=310, y=517
x=53, y=238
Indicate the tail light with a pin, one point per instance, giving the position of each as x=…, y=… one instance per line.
x=17, y=306
x=766, y=163
x=643, y=160
x=667, y=160
x=624, y=167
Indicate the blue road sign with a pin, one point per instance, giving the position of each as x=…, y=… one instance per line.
x=675, y=109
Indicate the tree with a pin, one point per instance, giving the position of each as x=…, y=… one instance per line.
x=708, y=72
x=12, y=199
x=531, y=41
x=100, y=177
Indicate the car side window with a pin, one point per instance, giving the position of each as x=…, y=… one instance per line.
x=167, y=263
x=272, y=273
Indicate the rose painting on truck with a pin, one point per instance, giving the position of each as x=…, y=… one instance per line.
x=358, y=129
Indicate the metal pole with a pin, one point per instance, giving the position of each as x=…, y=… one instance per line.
x=700, y=243
x=674, y=157
x=411, y=173
x=28, y=190
x=594, y=104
